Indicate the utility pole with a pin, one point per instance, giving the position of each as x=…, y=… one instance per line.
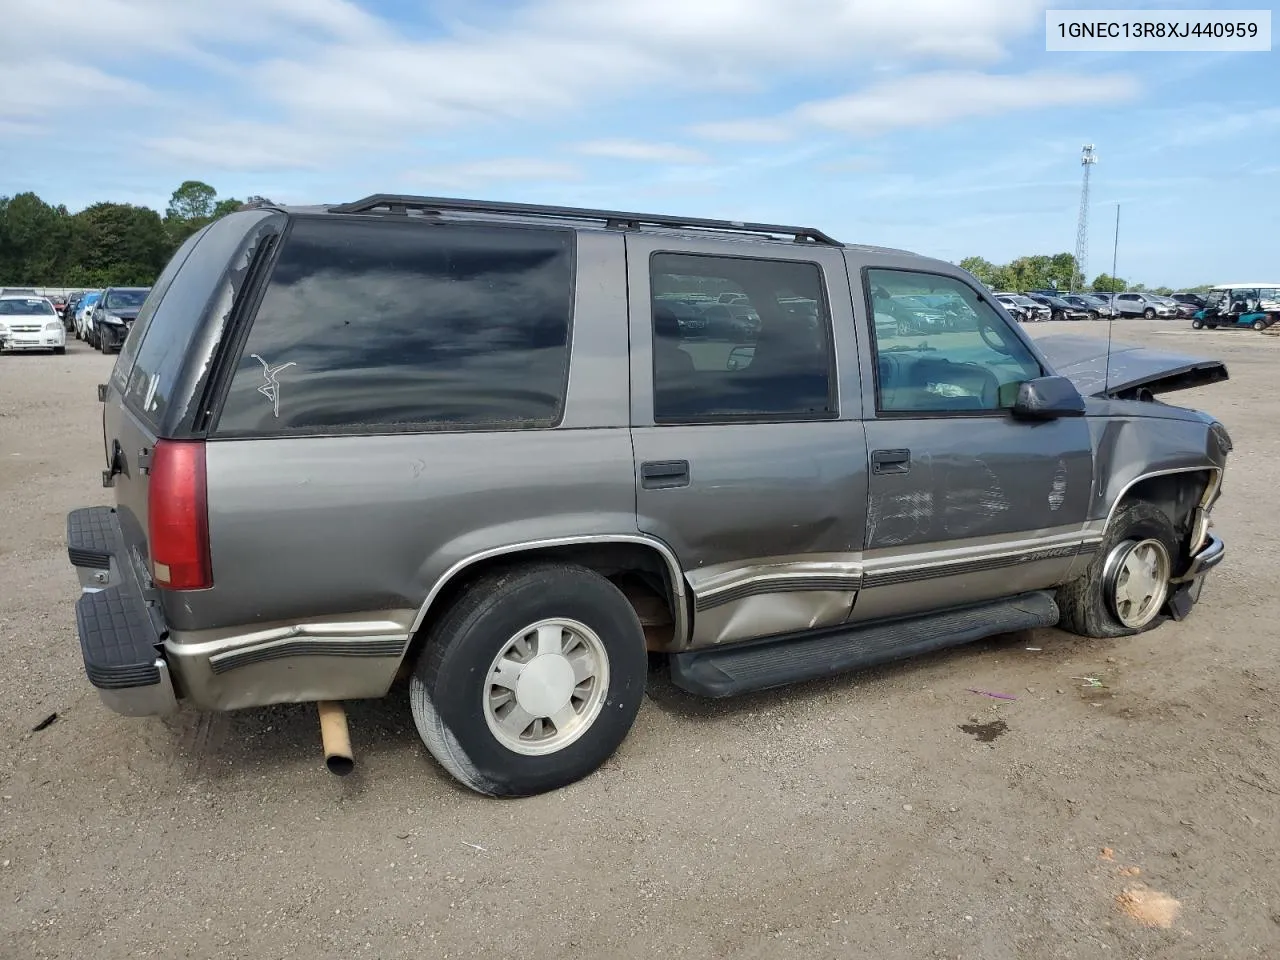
x=1087, y=159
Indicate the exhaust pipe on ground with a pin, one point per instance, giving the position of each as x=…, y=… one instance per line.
x=335, y=738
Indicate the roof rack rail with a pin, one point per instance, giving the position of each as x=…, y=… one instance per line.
x=396, y=203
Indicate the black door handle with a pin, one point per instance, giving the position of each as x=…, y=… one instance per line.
x=664, y=474
x=890, y=461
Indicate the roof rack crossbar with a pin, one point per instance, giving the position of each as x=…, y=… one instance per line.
x=396, y=203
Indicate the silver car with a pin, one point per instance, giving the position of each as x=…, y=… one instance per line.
x=466, y=443
x=1146, y=305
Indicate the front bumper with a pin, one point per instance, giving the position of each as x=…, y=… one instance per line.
x=1186, y=588
x=33, y=341
x=119, y=641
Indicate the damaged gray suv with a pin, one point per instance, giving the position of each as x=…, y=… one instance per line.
x=492, y=448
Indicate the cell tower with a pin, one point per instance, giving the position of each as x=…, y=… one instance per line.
x=1087, y=159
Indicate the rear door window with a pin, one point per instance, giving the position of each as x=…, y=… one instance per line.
x=381, y=325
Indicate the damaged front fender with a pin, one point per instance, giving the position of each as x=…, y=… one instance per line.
x=1123, y=371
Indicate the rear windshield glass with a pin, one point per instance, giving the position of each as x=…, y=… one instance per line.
x=123, y=299
x=24, y=308
x=383, y=324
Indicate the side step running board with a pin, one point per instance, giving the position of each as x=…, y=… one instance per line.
x=761, y=665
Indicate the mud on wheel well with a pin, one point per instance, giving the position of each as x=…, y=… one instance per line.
x=1176, y=495
x=640, y=572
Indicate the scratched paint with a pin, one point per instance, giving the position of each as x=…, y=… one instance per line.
x=900, y=518
x=973, y=499
x=1058, y=490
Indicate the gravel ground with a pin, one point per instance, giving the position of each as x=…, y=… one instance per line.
x=891, y=814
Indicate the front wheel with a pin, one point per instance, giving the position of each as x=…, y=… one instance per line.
x=1127, y=583
x=531, y=680
x=1149, y=314
x=1197, y=324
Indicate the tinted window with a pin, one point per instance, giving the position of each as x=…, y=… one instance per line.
x=378, y=323
x=959, y=356
x=134, y=378
x=762, y=354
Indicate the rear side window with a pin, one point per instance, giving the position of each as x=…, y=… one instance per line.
x=137, y=367
x=371, y=325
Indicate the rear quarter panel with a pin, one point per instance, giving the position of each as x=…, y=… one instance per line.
x=307, y=528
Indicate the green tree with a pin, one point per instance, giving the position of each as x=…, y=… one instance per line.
x=1105, y=283
x=194, y=200
x=117, y=243
x=984, y=270
x=33, y=238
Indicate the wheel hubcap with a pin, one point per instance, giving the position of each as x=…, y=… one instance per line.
x=546, y=686
x=1139, y=581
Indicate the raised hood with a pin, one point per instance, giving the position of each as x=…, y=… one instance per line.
x=1131, y=370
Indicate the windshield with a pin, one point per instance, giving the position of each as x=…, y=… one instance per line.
x=123, y=299
x=24, y=308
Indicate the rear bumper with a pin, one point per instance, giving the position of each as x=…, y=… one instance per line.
x=119, y=640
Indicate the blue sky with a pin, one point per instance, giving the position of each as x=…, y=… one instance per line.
x=941, y=126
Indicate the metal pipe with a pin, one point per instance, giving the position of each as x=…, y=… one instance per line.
x=335, y=737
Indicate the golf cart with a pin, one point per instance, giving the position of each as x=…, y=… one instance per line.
x=1255, y=305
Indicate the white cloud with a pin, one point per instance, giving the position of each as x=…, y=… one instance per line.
x=930, y=99
x=745, y=131
x=640, y=150
x=245, y=145
x=31, y=94
x=476, y=173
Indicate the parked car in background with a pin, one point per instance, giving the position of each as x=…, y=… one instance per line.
x=113, y=316
x=1060, y=309
x=19, y=292
x=1145, y=305
x=1253, y=305
x=84, y=314
x=30, y=323
x=1016, y=310
x=1096, y=307
x=1031, y=310
x=68, y=311
x=315, y=491
x=1196, y=300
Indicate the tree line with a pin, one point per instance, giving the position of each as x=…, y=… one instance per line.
x=122, y=244
x=1056, y=272
x=102, y=245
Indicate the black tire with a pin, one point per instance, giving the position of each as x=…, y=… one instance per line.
x=1094, y=315
x=1084, y=606
x=1056, y=315
x=1259, y=324
x=59, y=351
x=1149, y=314
x=1197, y=324
x=448, y=684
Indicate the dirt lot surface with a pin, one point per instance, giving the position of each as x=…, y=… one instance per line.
x=892, y=814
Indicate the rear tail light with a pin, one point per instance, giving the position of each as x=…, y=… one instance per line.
x=178, y=516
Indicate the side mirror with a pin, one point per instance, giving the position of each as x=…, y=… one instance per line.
x=740, y=357
x=1048, y=398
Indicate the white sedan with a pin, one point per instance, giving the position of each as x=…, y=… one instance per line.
x=31, y=323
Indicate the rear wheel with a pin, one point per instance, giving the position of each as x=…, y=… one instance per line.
x=1259, y=324
x=531, y=680
x=1126, y=585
